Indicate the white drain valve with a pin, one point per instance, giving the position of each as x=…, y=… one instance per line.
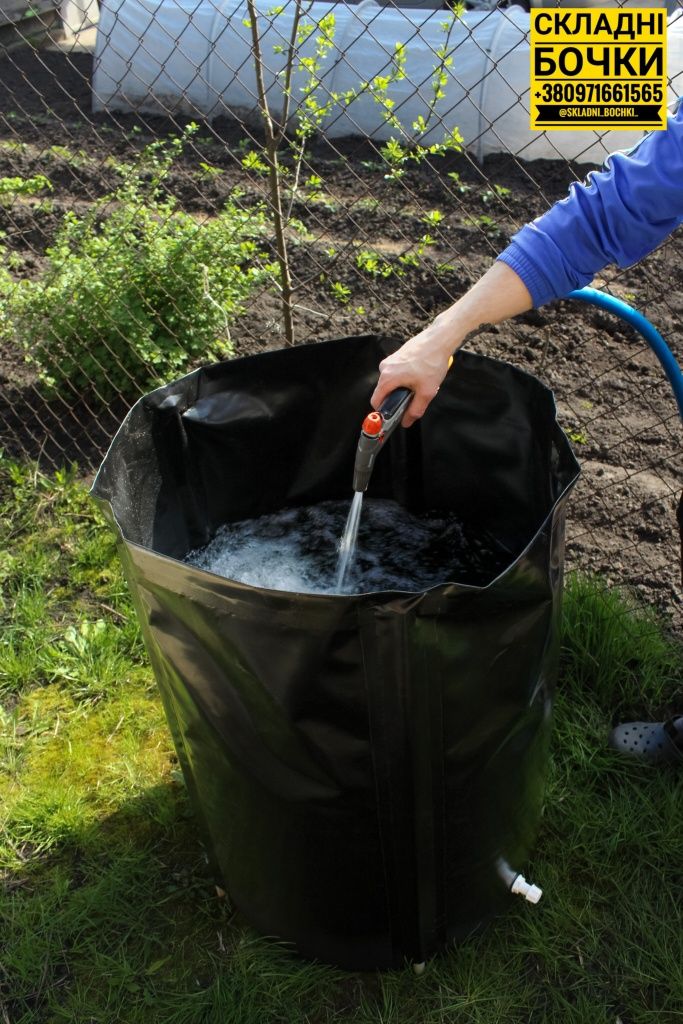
x=530, y=892
x=517, y=883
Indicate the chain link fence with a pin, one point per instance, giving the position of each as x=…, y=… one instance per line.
x=139, y=240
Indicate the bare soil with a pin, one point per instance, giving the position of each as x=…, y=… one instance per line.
x=612, y=396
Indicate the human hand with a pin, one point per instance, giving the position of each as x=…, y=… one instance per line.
x=421, y=365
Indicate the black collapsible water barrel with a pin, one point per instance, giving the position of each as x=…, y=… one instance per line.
x=363, y=767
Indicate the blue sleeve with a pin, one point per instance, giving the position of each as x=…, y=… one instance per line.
x=617, y=216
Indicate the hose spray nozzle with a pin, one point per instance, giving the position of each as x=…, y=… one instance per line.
x=376, y=428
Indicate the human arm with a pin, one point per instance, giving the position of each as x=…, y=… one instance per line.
x=618, y=216
x=421, y=364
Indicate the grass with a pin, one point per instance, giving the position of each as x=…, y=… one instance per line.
x=107, y=910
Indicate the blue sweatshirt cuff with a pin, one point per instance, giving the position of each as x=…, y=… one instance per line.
x=538, y=285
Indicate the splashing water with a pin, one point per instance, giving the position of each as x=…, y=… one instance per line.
x=347, y=544
x=295, y=550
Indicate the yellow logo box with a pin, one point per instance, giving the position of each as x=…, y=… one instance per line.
x=598, y=68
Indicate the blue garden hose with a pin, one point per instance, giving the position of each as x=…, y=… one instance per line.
x=644, y=327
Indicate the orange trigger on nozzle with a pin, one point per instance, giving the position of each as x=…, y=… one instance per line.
x=372, y=424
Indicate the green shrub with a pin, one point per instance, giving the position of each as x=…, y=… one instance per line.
x=137, y=289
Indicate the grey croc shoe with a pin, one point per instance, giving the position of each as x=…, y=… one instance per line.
x=654, y=742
